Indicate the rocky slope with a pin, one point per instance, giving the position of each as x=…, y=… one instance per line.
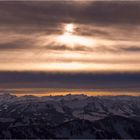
x=71, y=116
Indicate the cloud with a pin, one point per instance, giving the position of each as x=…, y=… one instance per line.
x=31, y=57
x=68, y=80
x=30, y=33
x=47, y=13
x=132, y=49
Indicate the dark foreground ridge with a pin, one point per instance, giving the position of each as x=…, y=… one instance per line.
x=70, y=116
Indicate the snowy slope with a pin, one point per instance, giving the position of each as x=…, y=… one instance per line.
x=38, y=114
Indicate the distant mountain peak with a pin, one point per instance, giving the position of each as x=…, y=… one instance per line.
x=7, y=95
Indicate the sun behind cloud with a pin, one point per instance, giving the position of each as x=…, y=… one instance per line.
x=69, y=28
x=71, y=39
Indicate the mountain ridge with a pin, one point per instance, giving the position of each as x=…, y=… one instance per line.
x=71, y=116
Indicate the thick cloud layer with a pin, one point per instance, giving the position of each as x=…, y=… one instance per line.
x=104, y=38
x=114, y=81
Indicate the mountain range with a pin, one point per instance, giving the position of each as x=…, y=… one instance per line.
x=69, y=116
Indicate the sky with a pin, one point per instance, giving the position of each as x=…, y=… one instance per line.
x=70, y=44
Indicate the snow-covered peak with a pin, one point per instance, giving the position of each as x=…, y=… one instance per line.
x=6, y=95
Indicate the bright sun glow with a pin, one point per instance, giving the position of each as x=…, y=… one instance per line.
x=69, y=28
x=72, y=40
